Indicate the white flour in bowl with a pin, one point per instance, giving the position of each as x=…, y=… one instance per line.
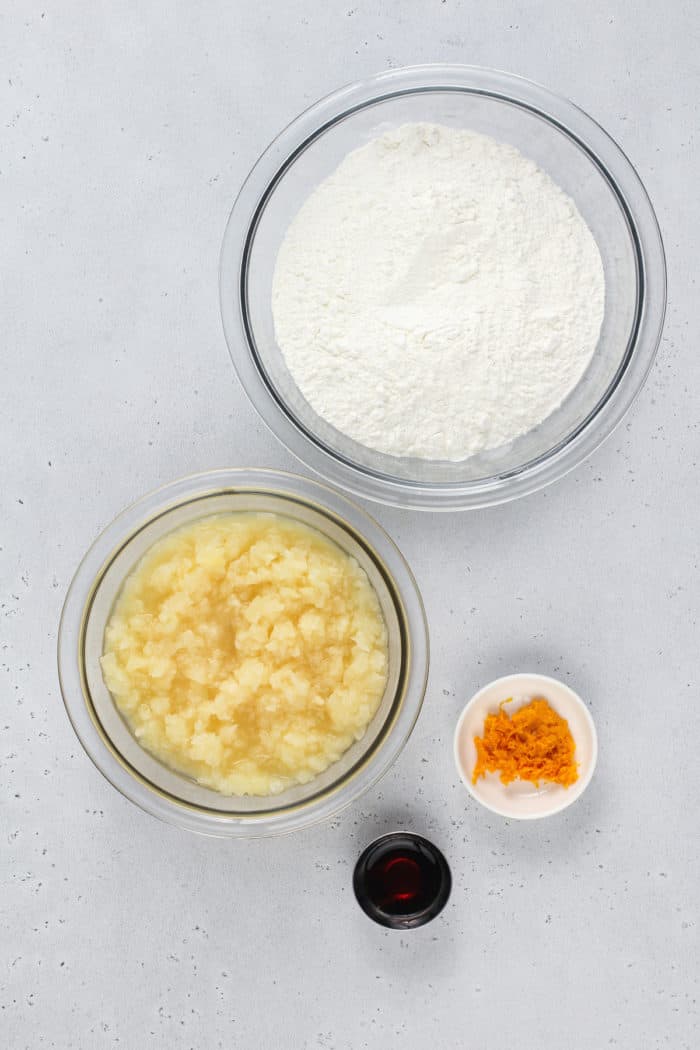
x=437, y=295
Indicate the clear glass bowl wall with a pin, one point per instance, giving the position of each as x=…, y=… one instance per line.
x=576, y=153
x=105, y=735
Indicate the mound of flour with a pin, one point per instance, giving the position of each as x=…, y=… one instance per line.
x=437, y=295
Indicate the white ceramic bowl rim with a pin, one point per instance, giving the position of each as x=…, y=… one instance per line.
x=543, y=684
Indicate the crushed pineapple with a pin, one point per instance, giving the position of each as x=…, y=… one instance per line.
x=247, y=651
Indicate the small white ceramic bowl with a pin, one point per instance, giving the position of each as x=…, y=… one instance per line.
x=520, y=799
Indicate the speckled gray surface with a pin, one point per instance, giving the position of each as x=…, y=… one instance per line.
x=126, y=131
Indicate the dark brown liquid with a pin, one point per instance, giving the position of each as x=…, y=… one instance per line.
x=402, y=880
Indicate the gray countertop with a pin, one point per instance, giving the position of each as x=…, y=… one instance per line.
x=127, y=130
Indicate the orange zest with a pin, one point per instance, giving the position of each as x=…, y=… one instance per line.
x=534, y=744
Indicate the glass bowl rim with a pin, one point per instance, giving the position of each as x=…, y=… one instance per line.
x=612, y=165
x=121, y=531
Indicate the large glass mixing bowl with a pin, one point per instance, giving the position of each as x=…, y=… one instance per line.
x=575, y=152
x=105, y=735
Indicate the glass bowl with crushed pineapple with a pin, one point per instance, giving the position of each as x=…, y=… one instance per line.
x=185, y=788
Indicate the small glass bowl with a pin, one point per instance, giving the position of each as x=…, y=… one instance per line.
x=177, y=798
x=578, y=155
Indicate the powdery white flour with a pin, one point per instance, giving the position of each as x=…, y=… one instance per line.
x=438, y=295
